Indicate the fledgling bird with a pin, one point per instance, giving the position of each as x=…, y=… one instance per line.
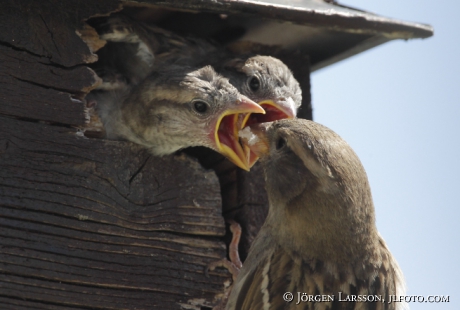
x=270, y=83
x=177, y=107
x=135, y=49
x=267, y=81
x=320, y=236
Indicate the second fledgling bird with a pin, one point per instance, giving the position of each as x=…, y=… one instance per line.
x=270, y=83
x=320, y=236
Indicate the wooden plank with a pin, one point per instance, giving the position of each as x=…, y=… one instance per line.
x=96, y=224
x=48, y=28
x=41, y=71
x=90, y=223
x=32, y=87
x=41, y=54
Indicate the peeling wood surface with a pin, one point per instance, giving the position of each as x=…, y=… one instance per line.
x=47, y=27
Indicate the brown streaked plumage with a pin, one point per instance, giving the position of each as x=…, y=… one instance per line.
x=319, y=237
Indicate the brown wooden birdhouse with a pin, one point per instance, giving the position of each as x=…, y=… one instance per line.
x=92, y=223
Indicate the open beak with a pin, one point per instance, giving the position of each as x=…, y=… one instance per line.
x=274, y=111
x=227, y=128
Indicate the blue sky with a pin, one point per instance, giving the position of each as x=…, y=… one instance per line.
x=398, y=106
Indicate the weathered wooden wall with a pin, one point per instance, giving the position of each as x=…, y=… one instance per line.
x=89, y=223
x=100, y=224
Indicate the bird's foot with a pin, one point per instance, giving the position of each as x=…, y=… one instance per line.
x=233, y=253
x=233, y=265
x=225, y=263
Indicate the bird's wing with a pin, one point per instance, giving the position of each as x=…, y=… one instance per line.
x=265, y=286
x=279, y=272
x=247, y=293
x=263, y=279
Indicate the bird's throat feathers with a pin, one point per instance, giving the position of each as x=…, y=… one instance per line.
x=326, y=234
x=322, y=193
x=334, y=216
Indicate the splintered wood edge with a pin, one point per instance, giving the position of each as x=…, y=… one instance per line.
x=89, y=35
x=91, y=38
x=93, y=123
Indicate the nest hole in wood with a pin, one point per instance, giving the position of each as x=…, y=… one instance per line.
x=243, y=193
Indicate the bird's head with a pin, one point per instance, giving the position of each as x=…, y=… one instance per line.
x=270, y=83
x=185, y=107
x=316, y=184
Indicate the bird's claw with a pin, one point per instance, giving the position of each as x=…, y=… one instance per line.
x=233, y=252
x=225, y=263
x=234, y=264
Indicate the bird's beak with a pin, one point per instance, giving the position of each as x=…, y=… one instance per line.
x=254, y=138
x=227, y=128
x=274, y=110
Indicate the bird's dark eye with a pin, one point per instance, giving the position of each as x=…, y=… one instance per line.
x=254, y=83
x=280, y=143
x=200, y=106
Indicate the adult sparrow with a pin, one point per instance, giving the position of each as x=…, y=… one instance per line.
x=320, y=237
